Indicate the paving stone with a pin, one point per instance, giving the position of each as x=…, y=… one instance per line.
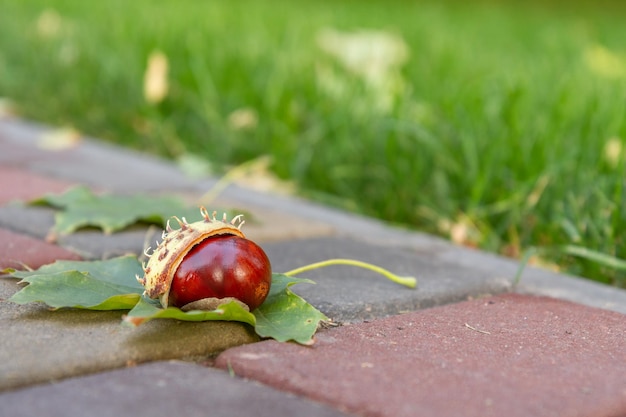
x=354, y=294
x=576, y=289
x=40, y=345
x=89, y=243
x=343, y=223
x=508, y=355
x=159, y=389
x=271, y=225
x=93, y=244
x=34, y=221
x=265, y=223
x=17, y=251
x=19, y=144
x=90, y=162
x=538, y=281
x=19, y=184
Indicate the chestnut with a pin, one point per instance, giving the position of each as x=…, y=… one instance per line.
x=207, y=261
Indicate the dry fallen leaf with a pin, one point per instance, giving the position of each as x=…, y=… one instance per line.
x=613, y=152
x=243, y=119
x=155, y=85
x=59, y=139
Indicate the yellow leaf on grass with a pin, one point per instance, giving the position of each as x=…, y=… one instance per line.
x=49, y=23
x=605, y=62
x=155, y=85
x=613, y=152
x=243, y=119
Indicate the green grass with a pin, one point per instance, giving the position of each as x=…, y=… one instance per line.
x=494, y=131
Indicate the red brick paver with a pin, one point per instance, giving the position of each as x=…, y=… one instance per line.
x=17, y=250
x=18, y=184
x=509, y=355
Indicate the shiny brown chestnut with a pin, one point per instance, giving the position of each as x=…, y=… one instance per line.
x=202, y=263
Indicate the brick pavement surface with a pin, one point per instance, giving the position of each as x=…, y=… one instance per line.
x=509, y=355
x=467, y=341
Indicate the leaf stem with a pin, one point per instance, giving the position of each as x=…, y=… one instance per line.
x=406, y=281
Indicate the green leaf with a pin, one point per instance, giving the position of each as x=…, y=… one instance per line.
x=147, y=309
x=65, y=199
x=77, y=289
x=94, y=285
x=81, y=208
x=111, y=285
x=119, y=271
x=287, y=316
x=283, y=316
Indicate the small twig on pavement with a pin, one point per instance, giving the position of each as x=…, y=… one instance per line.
x=476, y=330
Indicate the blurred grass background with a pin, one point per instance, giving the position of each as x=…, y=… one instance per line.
x=497, y=124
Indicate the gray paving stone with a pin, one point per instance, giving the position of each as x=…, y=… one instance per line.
x=538, y=281
x=573, y=289
x=90, y=162
x=18, y=141
x=89, y=243
x=94, y=244
x=273, y=224
x=39, y=345
x=29, y=220
x=351, y=294
x=159, y=389
x=344, y=223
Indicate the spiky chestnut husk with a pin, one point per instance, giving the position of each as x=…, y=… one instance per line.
x=251, y=286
